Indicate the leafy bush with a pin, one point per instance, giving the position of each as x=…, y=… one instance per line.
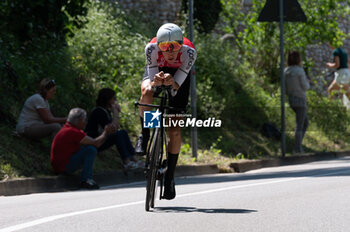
x=227, y=85
x=42, y=58
x=330, y=116
x=109, y=50
x=228, y=89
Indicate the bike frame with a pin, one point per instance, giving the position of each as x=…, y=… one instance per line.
x=155, y=151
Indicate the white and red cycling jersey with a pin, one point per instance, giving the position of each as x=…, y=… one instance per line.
x=183, y=63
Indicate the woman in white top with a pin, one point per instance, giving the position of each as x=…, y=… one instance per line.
x=36, y=120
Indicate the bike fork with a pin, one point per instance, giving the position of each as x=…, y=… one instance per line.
x=161, y=173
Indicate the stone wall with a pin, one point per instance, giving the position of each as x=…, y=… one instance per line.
x=162, y=11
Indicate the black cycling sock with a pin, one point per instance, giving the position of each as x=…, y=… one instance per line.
x=172, y=161
x=145, y=131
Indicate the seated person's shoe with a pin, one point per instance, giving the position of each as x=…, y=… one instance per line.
x=140, y=147
x=140, y=164
x=169, y=190
x=89, y=184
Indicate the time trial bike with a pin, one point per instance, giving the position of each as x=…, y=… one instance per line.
x=157, y=150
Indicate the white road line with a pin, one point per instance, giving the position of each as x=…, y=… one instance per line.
x=56, y=217
x=59, y=216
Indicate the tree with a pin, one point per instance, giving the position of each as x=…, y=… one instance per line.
x=26, y=18
x=206, y=12
x=259, y=41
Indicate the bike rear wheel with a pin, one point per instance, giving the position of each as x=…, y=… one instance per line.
x=152, y=171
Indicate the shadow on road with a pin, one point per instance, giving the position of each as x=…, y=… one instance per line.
x=316, y=172
x=313, y=173
x=199, y=210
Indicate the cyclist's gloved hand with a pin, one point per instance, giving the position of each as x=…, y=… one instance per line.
x=168, y=79
x=158, y=79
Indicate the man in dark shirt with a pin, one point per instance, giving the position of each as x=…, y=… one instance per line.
x=106, y=112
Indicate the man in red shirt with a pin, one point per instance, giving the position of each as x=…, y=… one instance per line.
x=72, y=149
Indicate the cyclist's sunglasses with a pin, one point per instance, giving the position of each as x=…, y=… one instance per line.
x=171, y=46
x=50, y=84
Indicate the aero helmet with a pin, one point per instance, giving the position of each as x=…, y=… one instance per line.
x=169, y=32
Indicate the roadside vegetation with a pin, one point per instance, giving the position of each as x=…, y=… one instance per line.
x=88, y=45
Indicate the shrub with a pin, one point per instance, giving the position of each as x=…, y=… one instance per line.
x=330, y=116
x=109, y=50
x=41, y=58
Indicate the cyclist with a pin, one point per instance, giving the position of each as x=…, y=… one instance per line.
x=169, y=57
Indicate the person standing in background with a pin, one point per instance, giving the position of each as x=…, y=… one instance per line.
x=296, y=86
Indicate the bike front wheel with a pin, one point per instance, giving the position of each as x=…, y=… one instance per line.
x=152, y=171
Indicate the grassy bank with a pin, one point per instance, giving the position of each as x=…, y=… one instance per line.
x=108, y=51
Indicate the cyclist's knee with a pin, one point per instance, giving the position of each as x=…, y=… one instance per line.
x=147, y=93
x=146, y=90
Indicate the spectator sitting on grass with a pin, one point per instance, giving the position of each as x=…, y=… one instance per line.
x=72, y=149
x=36, y=120
x=100, y=116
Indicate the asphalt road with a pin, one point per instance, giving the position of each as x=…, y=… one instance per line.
x=308, y=197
